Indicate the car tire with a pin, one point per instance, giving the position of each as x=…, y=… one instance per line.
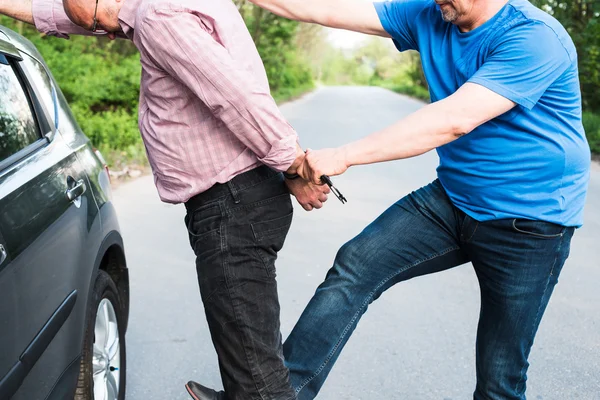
x=101, y=362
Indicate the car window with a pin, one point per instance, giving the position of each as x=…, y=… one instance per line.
x=18, y=127
x=40, y=79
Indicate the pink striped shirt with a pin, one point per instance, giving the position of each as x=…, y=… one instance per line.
x=206, y=113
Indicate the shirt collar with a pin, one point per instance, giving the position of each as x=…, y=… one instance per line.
x=127, y=16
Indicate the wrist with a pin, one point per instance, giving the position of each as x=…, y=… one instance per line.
x=346, y=155
x=293, y=169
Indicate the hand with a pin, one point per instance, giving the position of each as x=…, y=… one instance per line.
x=329, y=162
x=308, y=195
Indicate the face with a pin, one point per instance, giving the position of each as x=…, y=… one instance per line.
x=453, y=10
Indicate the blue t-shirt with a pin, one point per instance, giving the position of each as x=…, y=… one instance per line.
x=533, y=161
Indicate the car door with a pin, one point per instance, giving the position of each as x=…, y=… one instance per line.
x=45, y=220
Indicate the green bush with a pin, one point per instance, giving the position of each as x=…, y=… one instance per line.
x=591, y=123
x=114, y=129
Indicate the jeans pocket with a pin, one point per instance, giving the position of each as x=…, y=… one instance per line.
x=269, y=237
x=277, y=227
x=205, y=220
x=539, y=229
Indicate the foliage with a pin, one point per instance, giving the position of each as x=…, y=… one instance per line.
x=377, y=63
x=274, y=39
x=580, y=18
x=591, y=123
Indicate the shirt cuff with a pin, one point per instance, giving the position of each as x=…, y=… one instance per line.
x=43, y=17
x=282, y=154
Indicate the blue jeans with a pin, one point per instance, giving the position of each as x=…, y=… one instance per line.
x=517, y=263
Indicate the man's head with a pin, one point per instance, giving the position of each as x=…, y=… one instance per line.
x=106, y=12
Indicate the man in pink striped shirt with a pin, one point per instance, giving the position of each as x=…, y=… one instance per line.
x=217, y=142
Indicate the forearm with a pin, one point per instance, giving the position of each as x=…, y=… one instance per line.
x=428, y=128
x=20, y=10
x=299, y=10
x=354, y=15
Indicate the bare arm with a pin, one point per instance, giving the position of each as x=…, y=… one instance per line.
x=353, y=15
x=19, y=10
x=432, y=126
x=426, y=129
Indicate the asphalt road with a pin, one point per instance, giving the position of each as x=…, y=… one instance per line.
x=415, y=343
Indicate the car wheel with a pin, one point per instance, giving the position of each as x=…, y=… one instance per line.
x=102, y=370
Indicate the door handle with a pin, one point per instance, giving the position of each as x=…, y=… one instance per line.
x=76, y=191
x=3, y=254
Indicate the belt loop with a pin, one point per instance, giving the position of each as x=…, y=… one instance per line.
x=234, y=192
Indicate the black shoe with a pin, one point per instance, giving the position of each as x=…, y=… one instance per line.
x=199, y=392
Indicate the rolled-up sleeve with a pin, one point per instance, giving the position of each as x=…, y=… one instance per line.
x=177, y=42
x=50, y=18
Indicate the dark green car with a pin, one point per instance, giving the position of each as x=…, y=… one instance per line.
x=64, y=287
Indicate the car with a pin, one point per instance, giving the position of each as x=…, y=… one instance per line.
x=64, y=283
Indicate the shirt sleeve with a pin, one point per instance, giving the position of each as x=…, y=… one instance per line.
x=524, y=64
x=51, y=19
x=178, y=43
x=398, y=18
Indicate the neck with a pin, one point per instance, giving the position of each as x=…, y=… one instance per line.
x=480, y=13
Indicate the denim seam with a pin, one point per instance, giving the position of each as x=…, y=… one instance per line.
x=363, y=305
x=537, y=316
x=219, y=232
x=474, y=230
x=235, y=310
x=268, y=387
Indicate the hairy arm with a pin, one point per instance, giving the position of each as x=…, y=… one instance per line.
x=430, y=127
x=20, y=10
x=426, y=129
x=353, y=15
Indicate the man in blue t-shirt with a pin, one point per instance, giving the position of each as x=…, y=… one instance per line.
x=505, y=119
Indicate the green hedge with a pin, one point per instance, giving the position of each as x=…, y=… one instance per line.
x=591, y=123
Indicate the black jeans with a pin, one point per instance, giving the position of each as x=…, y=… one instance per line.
x=236, y=230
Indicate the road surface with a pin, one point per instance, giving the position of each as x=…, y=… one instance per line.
x=415, y=343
